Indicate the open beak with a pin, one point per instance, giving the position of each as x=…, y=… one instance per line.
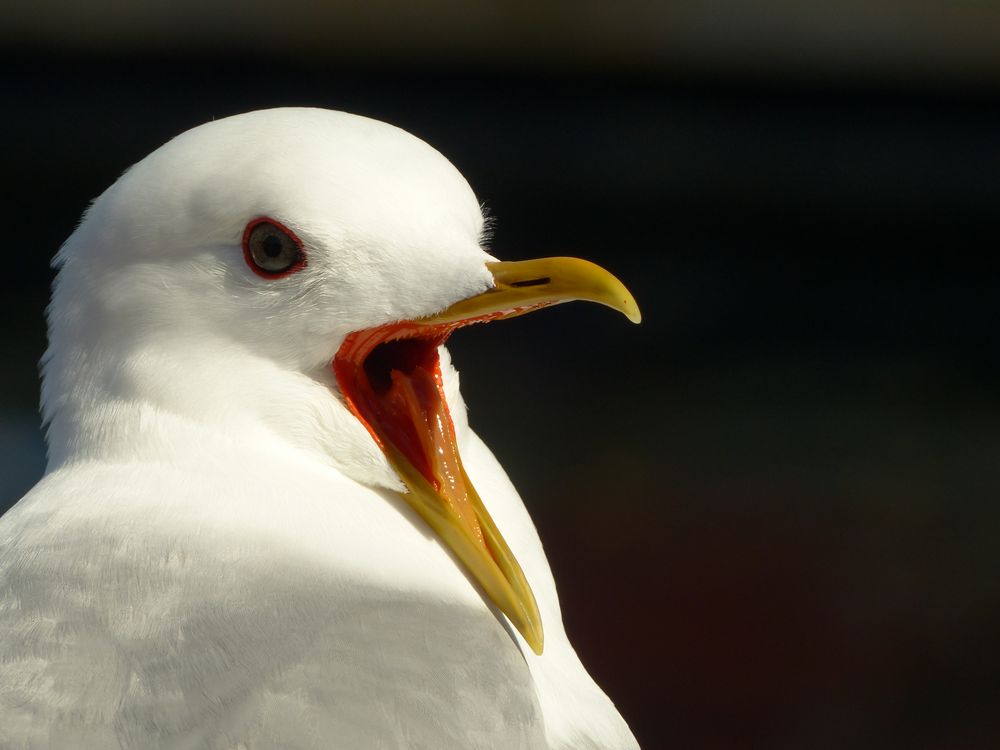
x=390, y=377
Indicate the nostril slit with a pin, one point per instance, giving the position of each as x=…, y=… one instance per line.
x=531, y=282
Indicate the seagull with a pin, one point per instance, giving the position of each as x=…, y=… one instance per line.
x=265, y=521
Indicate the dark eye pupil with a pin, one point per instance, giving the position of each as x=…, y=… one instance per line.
x=272, y=246
x=271, y=249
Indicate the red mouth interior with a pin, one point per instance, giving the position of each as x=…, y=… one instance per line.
x=391, y=379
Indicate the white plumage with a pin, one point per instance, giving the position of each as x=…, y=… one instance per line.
x=219, y=555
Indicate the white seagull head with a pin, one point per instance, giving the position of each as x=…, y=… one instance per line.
x=292, y=274
x=390, y=230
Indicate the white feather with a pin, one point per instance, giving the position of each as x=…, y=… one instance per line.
x=217, y=556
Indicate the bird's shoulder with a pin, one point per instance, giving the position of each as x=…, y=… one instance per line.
x=121, y=625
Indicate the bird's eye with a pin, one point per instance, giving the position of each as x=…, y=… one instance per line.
x=271, y=249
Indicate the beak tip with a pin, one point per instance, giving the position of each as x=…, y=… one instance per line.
x=629, y=307
x=535, y=639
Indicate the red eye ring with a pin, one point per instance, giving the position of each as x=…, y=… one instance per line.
x=271, y=249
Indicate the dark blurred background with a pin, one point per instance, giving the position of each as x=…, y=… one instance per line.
x=772, y=509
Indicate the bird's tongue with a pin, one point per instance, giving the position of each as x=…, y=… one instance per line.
x=393, y=385
x=414, y=417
